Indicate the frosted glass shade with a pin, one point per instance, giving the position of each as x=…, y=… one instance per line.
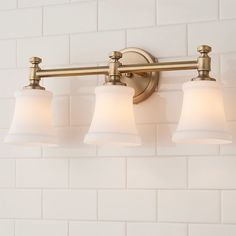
x=203, y=118
x=32, y=120
x=113, y=120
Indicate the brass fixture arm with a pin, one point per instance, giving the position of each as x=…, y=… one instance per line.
x=104, y=70
x=64, y=72
x=122, y=69
x=162, y=66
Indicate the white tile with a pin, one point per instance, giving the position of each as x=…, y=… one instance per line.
x=147, y=148
x=167, y=108
x=21, y=23
x=189, y=206
x=35, y=3
x=97, y=173
x=159, y=41
x=97, y=228
x=7, y=173
x=52, y=50
x=173, y=80
x=82, y=85
x=71, y=144
x=154, y=229
x=227, y=9
x=72, y=18
x=42, y=173
x=13, y=79
x=8, y=54
x=230, y=149
x=127, y=205
x=7, y=227
x=212, y=230
x=40, y=228
x=156, y=172
x=75, y=85
x=7, y=105
x=10, y=4
x=61, y=108
x=69, y=204
x=165, y=146
x=227, y=69
x=184, y=11
x=16, y=151
x=58, y=86
x=221, y=36
x=229, y=207
x=81, y=109
x=125, y=14
x=95, y=47
x=212, y=172
x=20, y=204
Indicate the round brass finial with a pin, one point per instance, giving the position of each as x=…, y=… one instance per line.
x=35, y=60
x=204, y=49
x=115, y=55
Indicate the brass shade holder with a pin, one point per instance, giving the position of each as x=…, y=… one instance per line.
x=204, y=64
x=133, y=67
x=33, y=78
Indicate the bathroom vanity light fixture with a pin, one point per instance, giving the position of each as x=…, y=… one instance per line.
x=130, y=77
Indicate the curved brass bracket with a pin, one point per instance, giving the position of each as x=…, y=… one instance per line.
x=143, y=83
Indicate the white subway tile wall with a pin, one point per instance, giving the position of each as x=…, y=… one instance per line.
x=71, y=18
x=7, y=227
x=122, y=14
x=188, y=11
x=97, y=228
x=153, y=229
x=40, y=228
x=192, y=206
x=53, y=50
x=133, y=205
x=159, y=188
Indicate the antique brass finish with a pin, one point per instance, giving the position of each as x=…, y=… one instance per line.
x=131, y=66
x=114, y=75
x=162, y=66
x=33, y=78
x=65, y=72
x=204, y=63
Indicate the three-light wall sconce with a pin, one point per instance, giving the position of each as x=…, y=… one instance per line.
x=130, y=77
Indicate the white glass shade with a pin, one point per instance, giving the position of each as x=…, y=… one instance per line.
x=113, y=120
x=203, y=118
x=32, y=120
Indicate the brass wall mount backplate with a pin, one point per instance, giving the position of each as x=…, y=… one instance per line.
x=145, y=84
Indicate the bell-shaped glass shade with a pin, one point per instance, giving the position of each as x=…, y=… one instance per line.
x=113, y=120
x=32, y=120
x=202, y=120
